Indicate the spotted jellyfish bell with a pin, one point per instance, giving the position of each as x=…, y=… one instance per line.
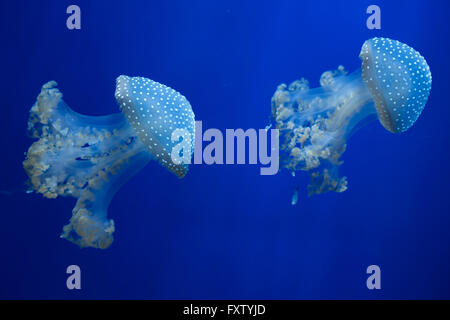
x=399, y=80
x=90, y=158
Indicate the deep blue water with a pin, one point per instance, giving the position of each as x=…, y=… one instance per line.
x=226, y=231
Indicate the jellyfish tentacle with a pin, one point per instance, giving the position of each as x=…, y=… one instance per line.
x=85, y=157
x=314, y=125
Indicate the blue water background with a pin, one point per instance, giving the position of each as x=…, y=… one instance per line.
x=225, y=231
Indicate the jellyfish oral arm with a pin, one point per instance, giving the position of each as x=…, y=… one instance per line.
x=89, y=225
x=315, y=124
x=85, y=157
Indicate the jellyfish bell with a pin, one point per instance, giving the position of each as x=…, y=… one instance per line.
x=90, y=157
x=399, y=80
x=393, y=85
x=155, y=117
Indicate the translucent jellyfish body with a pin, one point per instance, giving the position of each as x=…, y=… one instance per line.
x=393, y=84
x=90, y=157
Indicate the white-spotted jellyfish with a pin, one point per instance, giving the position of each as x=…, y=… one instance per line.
x=393, y=84
x=91, y=157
